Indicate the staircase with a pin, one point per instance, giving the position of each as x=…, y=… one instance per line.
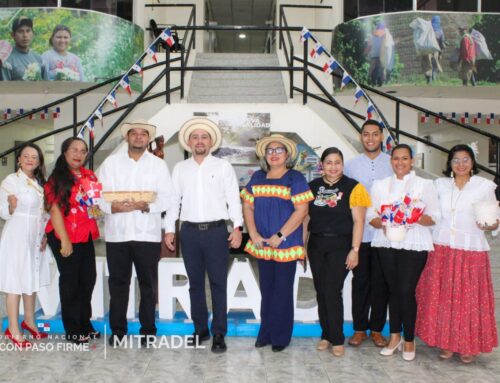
x=236, y=86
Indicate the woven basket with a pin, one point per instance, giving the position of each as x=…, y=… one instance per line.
x=119, y=196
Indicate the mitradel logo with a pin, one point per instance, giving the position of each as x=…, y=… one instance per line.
x=156, y=342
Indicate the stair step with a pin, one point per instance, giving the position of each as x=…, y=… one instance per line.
x=236, y=86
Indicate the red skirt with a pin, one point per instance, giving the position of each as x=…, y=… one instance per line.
x=456, y=305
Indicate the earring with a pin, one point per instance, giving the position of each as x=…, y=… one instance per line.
x=452, y=175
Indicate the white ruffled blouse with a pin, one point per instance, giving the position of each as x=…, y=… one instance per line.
x=457, y=227
x=389, y=190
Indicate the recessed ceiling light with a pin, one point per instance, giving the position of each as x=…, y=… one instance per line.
x=242, y=36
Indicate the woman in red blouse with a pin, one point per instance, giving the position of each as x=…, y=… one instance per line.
x=72, y=228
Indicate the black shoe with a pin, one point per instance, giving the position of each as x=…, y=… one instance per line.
x=260, y=344
x=114, y=339
x=278, y=348
x=218, y=344
x=145, y=338
x=94, y=334
x=198, y=338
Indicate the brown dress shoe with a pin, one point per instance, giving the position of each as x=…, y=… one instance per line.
x=378, y=339
x=338, y=351
x=357, y=338
x=323, y=344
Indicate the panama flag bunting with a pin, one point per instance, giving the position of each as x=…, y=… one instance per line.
x=346, y=79
x=32, y=115
x=465, y=118
x=477, y=118
x=166, y=36
x=112, y=99
x=389, y=144
x=317, y=50
x=6, y=113
x=330, y=65
x=490, y=118
x=358, y=94
x=137, y=68
x=152, y=52
x=453, y=116
x=20, y=112
x=44, y=113
x=437, y=119
x=125, y=84
x=98, y=114
x=370, y=110
x=90, y=125
x=304, y=35
x=424, y=118
x=56, y=112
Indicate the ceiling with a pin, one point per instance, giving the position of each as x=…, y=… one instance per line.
x=240, y=12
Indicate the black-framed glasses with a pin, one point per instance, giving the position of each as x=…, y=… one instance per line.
x=278, y=150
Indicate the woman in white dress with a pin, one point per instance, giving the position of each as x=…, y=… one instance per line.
x=23, y=262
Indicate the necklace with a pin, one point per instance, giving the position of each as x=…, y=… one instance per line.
x=330, y=183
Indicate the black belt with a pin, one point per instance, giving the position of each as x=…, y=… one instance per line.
x=331, y=235
x=206, y=225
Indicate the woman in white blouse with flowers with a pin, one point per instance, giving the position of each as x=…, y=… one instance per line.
x=456, y=305
x=402, y=261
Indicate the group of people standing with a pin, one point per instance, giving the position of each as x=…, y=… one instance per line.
x=436, y=280
x=57, y=63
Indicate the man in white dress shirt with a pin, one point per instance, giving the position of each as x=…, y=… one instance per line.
x=369, y=291
x=133, y=227
x=206, y=190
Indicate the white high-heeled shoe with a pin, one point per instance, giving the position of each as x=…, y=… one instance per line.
x=387, y=351
x=410, y=355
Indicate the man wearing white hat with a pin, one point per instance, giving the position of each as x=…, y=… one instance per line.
x=207, y=188
x=133, y=225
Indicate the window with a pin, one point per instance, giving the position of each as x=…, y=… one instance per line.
x=120, y=8
x=370, y=7
x=490, y=6
x=398, y=5
x=28, y=3
x=448, y=5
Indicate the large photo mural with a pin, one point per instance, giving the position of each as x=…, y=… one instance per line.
x=57, y=44
x=417, y=48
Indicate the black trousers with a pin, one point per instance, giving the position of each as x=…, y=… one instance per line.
x=369, y=291
x=206, y=251
x=402, y=269
x=77, y=276
x=327, y=258
x=120, y=257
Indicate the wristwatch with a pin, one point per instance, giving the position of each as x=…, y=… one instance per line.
x=238, y=228
x=355, y=249
x=281, y=236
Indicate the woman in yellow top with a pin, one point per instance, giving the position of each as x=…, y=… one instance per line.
x=335, y=229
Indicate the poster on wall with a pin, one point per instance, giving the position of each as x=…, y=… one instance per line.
x=58, y=44
x=240, y=132
x=415, y=48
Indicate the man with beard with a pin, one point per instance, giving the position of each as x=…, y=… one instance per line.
x=207, y=190
x=133, y=226
x=368, y=287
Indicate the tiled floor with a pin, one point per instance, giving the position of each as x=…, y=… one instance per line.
x=243, y=363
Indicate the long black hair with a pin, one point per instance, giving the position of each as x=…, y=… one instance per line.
x=39, y=172
x=62, y=178
x=460, y=148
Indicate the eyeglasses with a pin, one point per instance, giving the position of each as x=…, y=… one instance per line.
x=278, y=150
x=463, y=161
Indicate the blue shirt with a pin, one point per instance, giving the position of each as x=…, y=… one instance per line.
x=365, y=170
